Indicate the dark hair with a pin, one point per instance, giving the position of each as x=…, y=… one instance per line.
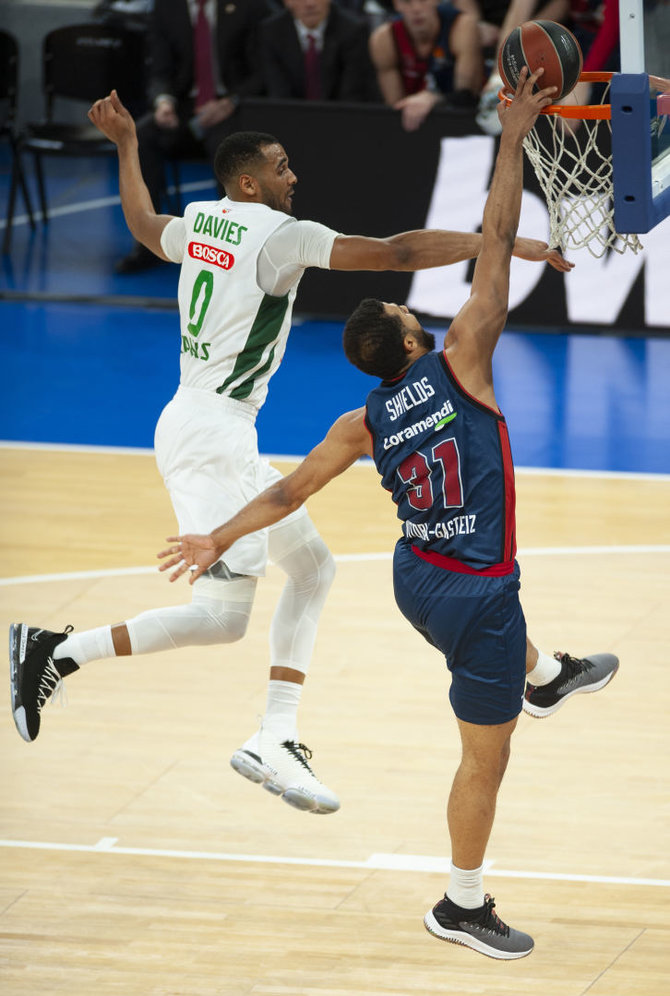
x=239, y=153
x=374, y=341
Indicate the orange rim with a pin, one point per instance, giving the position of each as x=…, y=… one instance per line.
x=588, y=112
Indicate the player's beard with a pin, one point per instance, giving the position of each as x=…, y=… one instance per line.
x=426, y=339
x=272, y=200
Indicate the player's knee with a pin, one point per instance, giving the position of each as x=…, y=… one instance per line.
x=316, y=583
x=227, y=624
x=311, y=568
x=327, y=569
x=221, y=620
x=235, y=625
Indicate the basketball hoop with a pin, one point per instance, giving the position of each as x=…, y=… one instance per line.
x=569, y=148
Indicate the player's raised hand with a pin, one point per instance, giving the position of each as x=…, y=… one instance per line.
x=193, y=552
x=111, y=118
x=539, y=252
x=519, y=116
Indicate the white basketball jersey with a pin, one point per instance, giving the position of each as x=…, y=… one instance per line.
x=233, y=335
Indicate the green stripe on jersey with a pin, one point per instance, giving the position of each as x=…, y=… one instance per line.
x=265, y=329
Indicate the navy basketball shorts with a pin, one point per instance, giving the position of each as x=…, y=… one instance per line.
x=478, y=624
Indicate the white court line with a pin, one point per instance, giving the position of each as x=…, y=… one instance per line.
x=9, y=444
x=376, y=862
x=101, y=202
x=624, y=475
x=340, y=558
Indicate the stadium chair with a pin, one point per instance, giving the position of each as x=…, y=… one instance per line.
x=83, y=62
x=9, y=72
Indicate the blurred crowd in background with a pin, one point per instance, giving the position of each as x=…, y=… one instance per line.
x=201, y=58
x=204, y=56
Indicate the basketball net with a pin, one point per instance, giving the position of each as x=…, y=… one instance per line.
x=569, y=148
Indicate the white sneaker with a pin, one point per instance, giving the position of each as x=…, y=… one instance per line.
x=246, y=761
x=282, y=769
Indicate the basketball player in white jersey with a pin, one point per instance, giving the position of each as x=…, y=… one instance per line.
x=241, y=261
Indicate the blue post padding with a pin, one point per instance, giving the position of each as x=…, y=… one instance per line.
x=635, y=208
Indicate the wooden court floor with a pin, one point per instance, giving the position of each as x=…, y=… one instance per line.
x=136, y=862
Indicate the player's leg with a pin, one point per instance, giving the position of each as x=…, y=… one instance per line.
x=199, y=467
x=466, y=915
x=274, y=756
x=472, y=800
x=218, y=613
x=478, y=624
x=551, y=681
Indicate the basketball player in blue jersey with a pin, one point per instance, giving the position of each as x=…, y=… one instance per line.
x=242, y=258
x=439, y=441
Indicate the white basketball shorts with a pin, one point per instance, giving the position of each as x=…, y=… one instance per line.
x=207, y=454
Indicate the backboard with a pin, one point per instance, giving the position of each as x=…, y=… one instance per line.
x=640, y=129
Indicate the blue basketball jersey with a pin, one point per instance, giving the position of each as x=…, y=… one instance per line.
x=446, y=459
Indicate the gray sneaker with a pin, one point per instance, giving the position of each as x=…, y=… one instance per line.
x=480, y=929
x=577, y=675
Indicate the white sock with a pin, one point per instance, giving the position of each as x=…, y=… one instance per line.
x=91, y=645
x=282, y=709
x=546, y=669
x=466, y=887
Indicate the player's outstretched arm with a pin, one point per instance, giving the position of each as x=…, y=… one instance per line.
x=477, y=326
x=425, y=248
x=114, y=121
x=346, y=441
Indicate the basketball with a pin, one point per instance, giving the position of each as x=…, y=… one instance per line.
x=546, y=44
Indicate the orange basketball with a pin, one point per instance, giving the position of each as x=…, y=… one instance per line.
x=546, y=44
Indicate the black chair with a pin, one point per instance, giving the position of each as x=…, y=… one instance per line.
x=9, y=74
x=83, y=62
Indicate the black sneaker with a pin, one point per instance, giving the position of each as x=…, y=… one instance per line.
x=586, y=674
x=34, y=674
x=478, y=929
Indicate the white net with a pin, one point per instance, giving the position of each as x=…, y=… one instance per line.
x=573, y=164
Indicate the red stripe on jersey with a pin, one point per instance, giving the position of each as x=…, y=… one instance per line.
x=458, y=567
x=473, y=399
x=509, y=549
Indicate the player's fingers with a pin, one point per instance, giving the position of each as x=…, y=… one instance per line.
x=548, y=94
x=531, y=78
x=558, y=262
x=521, y=82
x=196, y=572
x=94, y=110
x=182, y=567
x=167, y=564
x=170, y=551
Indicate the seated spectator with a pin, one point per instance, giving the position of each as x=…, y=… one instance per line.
x=203, y=57
x=316, y=50
x=490, y=16
x=429, y=54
